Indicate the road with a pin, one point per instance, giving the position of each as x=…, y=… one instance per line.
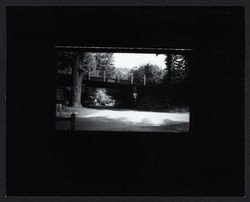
x=128, y=120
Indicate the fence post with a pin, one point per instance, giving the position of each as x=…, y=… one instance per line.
x=60, y=109
x=73, y=119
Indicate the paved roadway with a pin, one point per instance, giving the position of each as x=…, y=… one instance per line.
x=128, y=120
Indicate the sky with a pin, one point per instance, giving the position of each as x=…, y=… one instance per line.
x=131, y=60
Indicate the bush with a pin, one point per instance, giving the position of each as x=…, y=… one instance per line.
x=101, y=96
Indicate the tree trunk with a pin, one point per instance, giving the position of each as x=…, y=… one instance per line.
x=77, y=84
x=169, y=76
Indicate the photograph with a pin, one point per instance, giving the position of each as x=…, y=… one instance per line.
x=125, y=101
x=119, y=91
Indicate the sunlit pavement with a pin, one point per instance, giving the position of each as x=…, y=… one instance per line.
x=131, y=120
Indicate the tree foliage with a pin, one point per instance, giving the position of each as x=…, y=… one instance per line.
x=122, y=73
x=83, y=62
x=176, y=69
x=104, y=64
x=153, y=73
x=101, y=96
x=88, y=63
x=179, y=68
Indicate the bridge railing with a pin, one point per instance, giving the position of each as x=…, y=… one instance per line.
x=107, y=79
x=116, y=80
x=67, y=79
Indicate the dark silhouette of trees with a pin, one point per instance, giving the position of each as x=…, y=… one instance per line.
x=81, y=64
x=179, y=68
x=176, y=69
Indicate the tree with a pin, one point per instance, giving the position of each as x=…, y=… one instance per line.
x=104, y=63
x=101, y=96
x=122, y=73
x=180, y=68
x=167, y=77
x=65, y=65
x=152, y=72
x=84, y=63
x=176, y=69
x=79, y=64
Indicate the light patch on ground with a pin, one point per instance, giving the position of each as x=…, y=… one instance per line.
x=137, y=117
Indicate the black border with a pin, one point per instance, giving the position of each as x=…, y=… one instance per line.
x=150, y=3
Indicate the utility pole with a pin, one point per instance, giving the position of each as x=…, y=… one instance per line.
x=132, y=78
x=144, y=80
x=104, y=76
